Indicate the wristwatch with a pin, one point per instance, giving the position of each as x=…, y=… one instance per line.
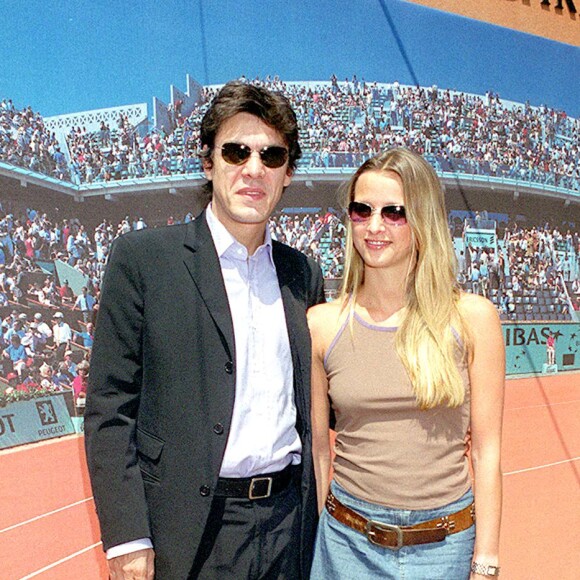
x=484, y=569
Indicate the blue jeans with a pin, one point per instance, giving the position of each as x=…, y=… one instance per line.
x=343, y=553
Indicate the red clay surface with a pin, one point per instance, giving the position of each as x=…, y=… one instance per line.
x=49, y=530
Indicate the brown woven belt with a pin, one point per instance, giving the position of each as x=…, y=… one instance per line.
x=395, y=537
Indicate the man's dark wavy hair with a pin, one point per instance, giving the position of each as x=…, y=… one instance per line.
x=235, y=97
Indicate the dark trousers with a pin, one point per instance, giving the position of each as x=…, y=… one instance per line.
x=251, y=539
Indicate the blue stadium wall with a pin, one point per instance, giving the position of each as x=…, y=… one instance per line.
x=526, y=347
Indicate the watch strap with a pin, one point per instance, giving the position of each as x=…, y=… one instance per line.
x=484, y=569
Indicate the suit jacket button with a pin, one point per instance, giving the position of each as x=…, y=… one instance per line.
x=204, y=491
x=229, y=367
x=218, y=428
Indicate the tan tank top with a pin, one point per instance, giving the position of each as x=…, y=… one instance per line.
x=388, y=451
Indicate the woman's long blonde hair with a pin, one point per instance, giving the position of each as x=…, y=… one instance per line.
x=425, y=340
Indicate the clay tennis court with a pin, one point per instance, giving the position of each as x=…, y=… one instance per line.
x=49, y=530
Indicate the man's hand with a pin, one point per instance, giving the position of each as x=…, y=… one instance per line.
x=133, y=566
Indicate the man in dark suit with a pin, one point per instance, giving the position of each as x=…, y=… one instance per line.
x=197, y=421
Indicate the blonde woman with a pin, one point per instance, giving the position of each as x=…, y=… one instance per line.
x=408, y=365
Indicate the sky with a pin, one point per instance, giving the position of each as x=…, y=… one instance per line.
x=77, y=55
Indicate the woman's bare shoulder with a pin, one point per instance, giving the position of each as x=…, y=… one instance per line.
x=477, y=310
x=325, y=319
x=326, y=312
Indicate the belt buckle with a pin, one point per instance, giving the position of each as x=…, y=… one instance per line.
x=370, y=532
x=255, y=494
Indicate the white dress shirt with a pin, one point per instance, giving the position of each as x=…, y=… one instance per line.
x=263, y=436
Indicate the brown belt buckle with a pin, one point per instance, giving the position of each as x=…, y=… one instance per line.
x=371, y=528
x=256, y=486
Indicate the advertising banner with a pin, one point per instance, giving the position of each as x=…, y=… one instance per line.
x=34, y=420
x=526, y=346
x=480, y=239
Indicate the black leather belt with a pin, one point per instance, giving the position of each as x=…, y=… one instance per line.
x=257, y=487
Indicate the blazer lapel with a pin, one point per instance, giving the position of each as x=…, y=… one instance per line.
x=294, y=311
x=202, y=261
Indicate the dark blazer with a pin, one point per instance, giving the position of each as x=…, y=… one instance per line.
x=162, y=383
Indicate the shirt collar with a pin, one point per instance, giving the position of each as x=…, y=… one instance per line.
x=223, y=239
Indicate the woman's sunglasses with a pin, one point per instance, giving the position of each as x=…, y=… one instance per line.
x=238, y=153
x=393, y=215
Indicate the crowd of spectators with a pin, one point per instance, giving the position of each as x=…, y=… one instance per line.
x=46, y=330
x=41, y=356
x=530, y=263
x=25, y=142
x=320, y=237
x=342, y=123
x=481, y=134
x=122, y=153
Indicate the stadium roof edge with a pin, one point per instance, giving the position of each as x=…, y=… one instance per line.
x=26, y=176
x=302, y=175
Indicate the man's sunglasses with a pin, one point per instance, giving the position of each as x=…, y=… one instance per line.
x=238, y=153
x=393, y=215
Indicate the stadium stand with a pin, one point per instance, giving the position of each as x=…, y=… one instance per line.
x=531, y=274
x=342, y=123
x=530, y=271
x=25, y=142
x=529, y=277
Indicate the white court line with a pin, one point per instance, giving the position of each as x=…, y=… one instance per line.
x=542, y=466
x=543, y=405
x=46, y=515
x=61, y=561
